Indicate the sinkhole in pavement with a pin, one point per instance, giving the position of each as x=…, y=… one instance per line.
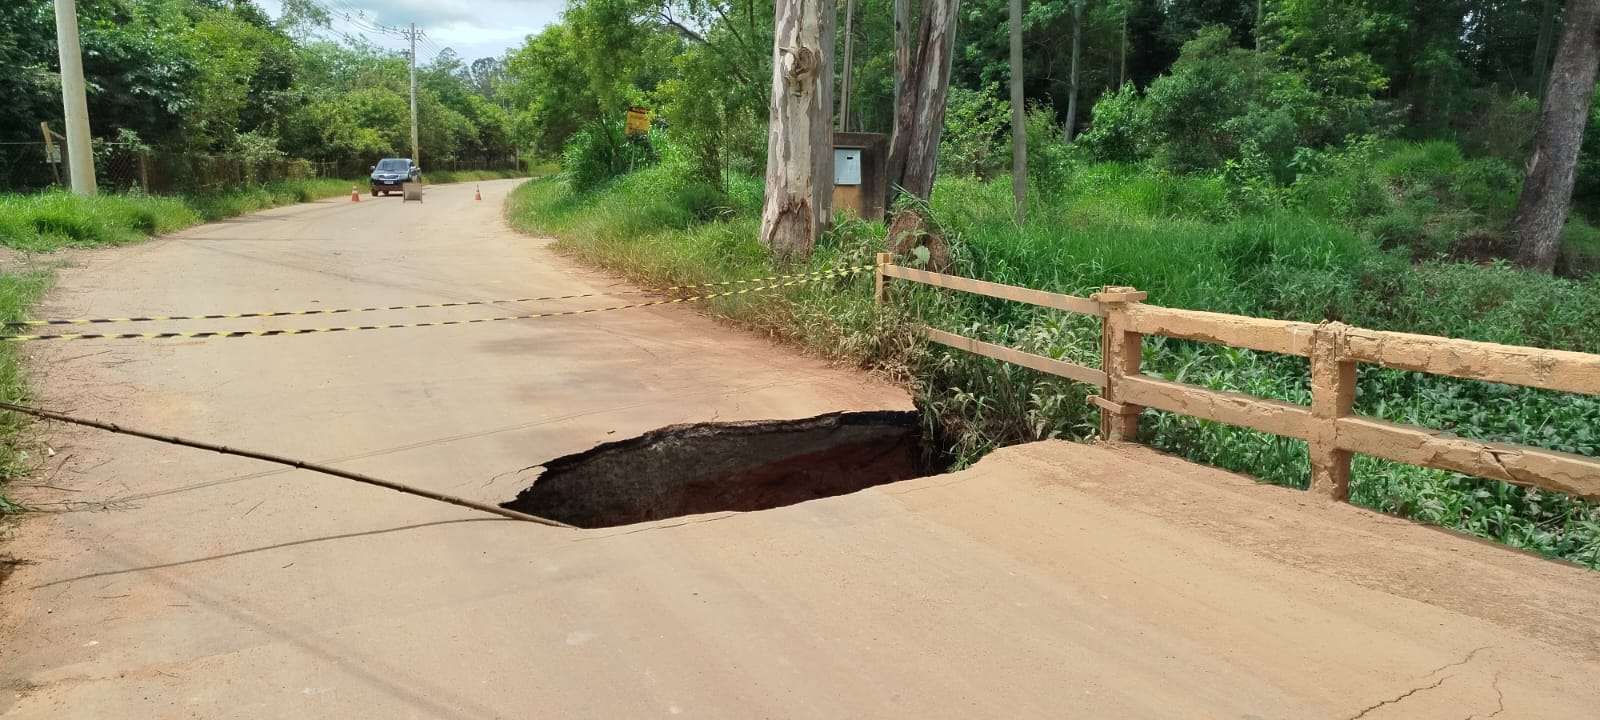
x=711, y=467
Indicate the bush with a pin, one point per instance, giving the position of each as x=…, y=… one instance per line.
x=1116, y=127
x=974, y=122
x=1222, y=103
x=1401, y=228
x=1580, y=244
x=602, y=151
x=1050, y=160
x=1341, y=184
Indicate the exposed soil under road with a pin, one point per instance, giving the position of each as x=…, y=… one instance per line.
x=710, y=467
x=1050, y=580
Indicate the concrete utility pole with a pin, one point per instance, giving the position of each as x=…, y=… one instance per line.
x=80, y=155
x=416, y=155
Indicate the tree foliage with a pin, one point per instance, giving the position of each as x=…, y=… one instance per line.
x=223, y=76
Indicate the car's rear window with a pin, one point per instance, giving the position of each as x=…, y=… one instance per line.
x=394, y=164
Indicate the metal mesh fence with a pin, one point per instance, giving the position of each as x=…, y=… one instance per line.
x=24, y=166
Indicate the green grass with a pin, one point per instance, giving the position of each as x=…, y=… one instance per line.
x=1187, y=243
x=49, y=221
x=18, y=292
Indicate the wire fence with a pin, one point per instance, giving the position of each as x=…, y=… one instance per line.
x=357, y=168
x=31, y=166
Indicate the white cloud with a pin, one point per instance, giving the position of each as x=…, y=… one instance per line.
x=473, y=28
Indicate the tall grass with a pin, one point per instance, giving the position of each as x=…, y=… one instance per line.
x=1186, y=243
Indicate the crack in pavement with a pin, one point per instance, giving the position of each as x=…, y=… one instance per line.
x=1500, y=699
x=1399, y=697
x=1458, y=663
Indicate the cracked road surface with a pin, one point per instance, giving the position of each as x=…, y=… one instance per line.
x=1051, y=580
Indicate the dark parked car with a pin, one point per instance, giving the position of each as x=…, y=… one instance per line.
x=390, y=173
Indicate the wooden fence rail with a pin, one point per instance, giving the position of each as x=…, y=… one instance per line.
x=1329, y=426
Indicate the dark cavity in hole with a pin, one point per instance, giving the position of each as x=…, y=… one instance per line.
x=711, y=467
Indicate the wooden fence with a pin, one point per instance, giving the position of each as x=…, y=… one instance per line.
x=1329, y=426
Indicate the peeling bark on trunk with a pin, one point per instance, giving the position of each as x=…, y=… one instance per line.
x=1552, y=170
x=919, y=114
x=800, y=132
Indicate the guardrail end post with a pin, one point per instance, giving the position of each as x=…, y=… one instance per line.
x=1121, y=352
x=883, y=260
x=1333, y=394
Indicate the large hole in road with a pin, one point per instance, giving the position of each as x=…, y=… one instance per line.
x=711, y=467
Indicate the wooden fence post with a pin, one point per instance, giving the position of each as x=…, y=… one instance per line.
x=1333, y=394
x=144, y=171
x=1121, y=352
x=883, y=260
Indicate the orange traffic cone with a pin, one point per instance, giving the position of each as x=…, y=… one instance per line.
x=355, y=196
x=477, y=194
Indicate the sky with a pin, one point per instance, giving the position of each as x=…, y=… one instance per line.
x=473, y=28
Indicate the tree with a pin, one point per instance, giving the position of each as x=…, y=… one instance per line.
x=1072, y=77
x=1547, y=191
x=919, y=114
x=799, y=196
x=1019, y=118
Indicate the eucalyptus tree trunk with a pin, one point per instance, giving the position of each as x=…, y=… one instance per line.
x=1072, y=76
x=902, y=52
x=919, y=114
x=1541, y=49
x=1256, y=31
x=1552, y=170
x=1122, y=63
x=800, y=132
x=849, y=64
x=1019, y=130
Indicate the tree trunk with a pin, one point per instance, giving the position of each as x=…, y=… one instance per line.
x=1019, y=131
x=1072, y=75
x=919, y=116
x=1122, y=66
x=1547, y=192
x=800, y=132
x=849, y=63
x=1256, y=30
x=1541, y=49
x=902, y=52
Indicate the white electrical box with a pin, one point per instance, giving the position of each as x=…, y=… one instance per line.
x=847, y=166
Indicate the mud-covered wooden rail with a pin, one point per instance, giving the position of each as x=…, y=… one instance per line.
x=1329, y=426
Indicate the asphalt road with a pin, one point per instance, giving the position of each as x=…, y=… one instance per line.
x=1052, y=580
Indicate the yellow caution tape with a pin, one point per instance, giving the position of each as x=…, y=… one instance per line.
x=424, y=306
x=810, y=277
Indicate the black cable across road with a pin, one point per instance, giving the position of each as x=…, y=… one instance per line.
x=281, y=460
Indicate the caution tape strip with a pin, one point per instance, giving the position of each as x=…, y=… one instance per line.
x=309, y=331
x=423, y=306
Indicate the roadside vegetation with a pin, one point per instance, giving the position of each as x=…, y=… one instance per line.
x=1357, y=161
x=1182, y=239
x=42, y=222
